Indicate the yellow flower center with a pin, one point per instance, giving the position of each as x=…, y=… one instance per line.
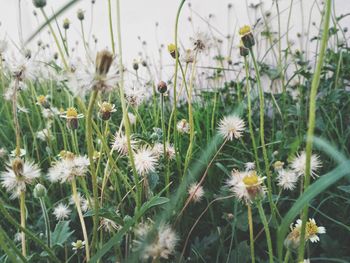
x=251, y=180
x=72, y=113
x=106, y=107
x=66, y=154
x=244, y=30
x=311, y=228
x=171, y=48
x=41, y=99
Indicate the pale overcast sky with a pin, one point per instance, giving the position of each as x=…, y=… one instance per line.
x=139, y=18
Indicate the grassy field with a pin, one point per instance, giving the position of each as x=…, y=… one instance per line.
x=226, y=161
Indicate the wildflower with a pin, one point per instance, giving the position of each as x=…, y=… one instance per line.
x=18, y=175
x=196, y=191
x=81, y=14
x=247, y=36
x=158, y=150
x=78, y=245
x=39, y=191
x=145, y=160
x=44, y=134
x=247, y=186
x=42, y=101
x=292, y=241
x=299, y=164
x=162, y=87
x=135, y=94
x=120, y=144
x=66, y=23
x=106, y=109
x=189, y=56
x=39, y=3
x=22, y=152
x=201, y=41
x=278, y=165
x=108, y=225
x=231, y=126
x=172, y=50
x=163, y=244
x=72, y=117
x=61, y=212
x=68, y=167
x=183, y=126
x=135, y=65
x=311, y=230
x=249, y=166
x=84, y=203
x=287, y=179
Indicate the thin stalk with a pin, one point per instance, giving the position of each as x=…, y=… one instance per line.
x=47, y=221
x=286, y=258
x=251, y=232
x=81, y=218
x=90, y=150
x=22, y=206
x=111, y=26
x=125, y=111
x=267, y=230
x=250, y=122
x=312, y=118
x=56, y=40
x=262, y=133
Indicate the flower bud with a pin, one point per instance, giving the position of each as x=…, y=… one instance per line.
x=243, y=51
x=172, y=50
x=135, y=65
x=103, y=62
x=106, y=110
x=39, y=191
x=162, y=87
x=80, y=14
x=72, y=118
x=247, y=36
x=66, y=23
x=39, y=3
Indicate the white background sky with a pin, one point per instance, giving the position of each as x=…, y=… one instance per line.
x=139, y=18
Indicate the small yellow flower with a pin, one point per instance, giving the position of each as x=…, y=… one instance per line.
x=41, y=99
x=66, y=154
x=245, y=30
x=251, y=180
x=71, y=113
x=171, y=48
x=107, y=107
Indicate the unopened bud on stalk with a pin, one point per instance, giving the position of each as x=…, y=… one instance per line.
x=172, y=50
x=135, y=65
x=162, y=87
x=106, y=110
x=66, y=23
x=39, y=191
x=80, y=14
x=72, y=118
x=39, y=3
x=243, y=51
x=247, y=36
x=103, y=62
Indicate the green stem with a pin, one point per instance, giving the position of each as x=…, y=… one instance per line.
x=251, y=232
x=81, y=218
x=286, y=258
x=125, y=111
x=23, y=221
x=312, y=117
x=262, y=133
x=56, y=40
x=267, y=230
x=111, y=26
x=90, y=149
x=250, y=122
x=47, y=221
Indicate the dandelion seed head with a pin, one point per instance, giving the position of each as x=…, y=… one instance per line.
x=231, y=127
x=61, y=212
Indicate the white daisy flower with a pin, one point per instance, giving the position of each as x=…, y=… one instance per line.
x=78, y=245
x=287, y=179
x=18, y=175
x=231, y=127
x=299, y=164
x=145, y=160
x=312, y=230
x=196, y=191
x=61, y=212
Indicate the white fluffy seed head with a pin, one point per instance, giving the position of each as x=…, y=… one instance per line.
x=287, y=179
x=299, y=164
x=231, y=127
x=145, y=160
x=61, y=212
x=196, y=191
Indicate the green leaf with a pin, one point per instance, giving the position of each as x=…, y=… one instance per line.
x=61, y=233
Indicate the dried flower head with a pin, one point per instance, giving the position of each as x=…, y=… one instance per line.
x=145, y=160
x=106, y=110
x=196, y=191
x=18, y=175
x=287, y=179
x=299, y=164
x=231, y=127
x=61, y=212
x=120, y=144
x=183, y=126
